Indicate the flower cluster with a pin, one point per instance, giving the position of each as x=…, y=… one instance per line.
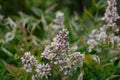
x=106, y=34
x=31, y=65
x=59, y=18
x=76, y=59
x=59, y=22
x=59, y=45
x=111, y=14
x=43, y=70
x=95, y=37
x=56, y=51
x=57, y=55
x=29, y=62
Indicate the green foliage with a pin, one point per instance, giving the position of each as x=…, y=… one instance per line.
x=31, y=31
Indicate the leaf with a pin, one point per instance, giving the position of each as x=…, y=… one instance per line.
x=80, y=77
x=14, y=71
x=94, y=68
x=8, y=52
x=37, y=12
x=72, y=35
x=90, y=59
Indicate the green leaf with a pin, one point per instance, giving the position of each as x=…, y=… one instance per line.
x=93, y=66
x=37, y=12
x=14, y=71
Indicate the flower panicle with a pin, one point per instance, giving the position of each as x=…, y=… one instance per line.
x=28, y=62
x=43, y=70
x=103, y=35
x=111, y=14
x=59, y=46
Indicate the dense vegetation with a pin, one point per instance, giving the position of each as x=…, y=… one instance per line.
x=59, y=40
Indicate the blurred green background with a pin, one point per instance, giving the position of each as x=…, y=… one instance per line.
x=12, y=7
x=26, y=25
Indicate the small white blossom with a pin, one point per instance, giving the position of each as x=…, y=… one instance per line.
x=33, y=77
x=111, y=14
x=43, y=70
x=59, y=18
x=92, y=43
x=77, y=59
x=28, y=61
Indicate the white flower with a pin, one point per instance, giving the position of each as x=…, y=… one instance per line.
x=111, y=14
x=28, y=62
x=104, y=35
x=33, y=77
x=59, y=18
x=58, y=47
x=92, y=43
x=77, y=59
x=43, y=70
